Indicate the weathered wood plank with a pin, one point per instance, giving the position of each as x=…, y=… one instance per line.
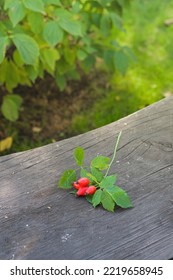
x=39, y=221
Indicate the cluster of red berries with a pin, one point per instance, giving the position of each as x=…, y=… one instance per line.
x=83, y=188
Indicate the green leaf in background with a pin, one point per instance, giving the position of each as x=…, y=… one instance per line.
x=88, y=63
x=71, y=26
x=121, y=197
x=100, y=162
x=3, y=71
x=10, y=107
x=16, y=99
x=27, y=48
x=79, y=155
x=67, y=178
x=108, y=181
x=36, y=20
x=70, y=55
x=104, y=2
x=105, y=24
x=116, y=20
x=97, y=173
x=17, y=58
x=107, y=201
x=16, y=11
x=8, y=4
x=32, y=72
x=12, y=75
x=34, y=5
x=108, y=55
x=96, y=199
x=51, y=56
x=52, y=33
x=69, y=23
x=130, y=54
x=60, y=81
x=81, y=55
x=54, y=2
x=76, y=6
x=121, y=62
x=3, y=45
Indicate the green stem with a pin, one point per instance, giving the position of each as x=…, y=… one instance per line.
x=115, y=151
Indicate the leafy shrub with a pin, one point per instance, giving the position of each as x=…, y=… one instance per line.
x=59, y=37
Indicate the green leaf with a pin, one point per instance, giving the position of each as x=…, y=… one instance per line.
x=32, y=72
x=96, y=199
x=3, y=45
x=100, y=162
x=10, y=107
x=50, y=57
x=121, y=198
x=69, y=55
x=27, y=48
x=130, y=54
x=36, y=22
x=3, y=66
x=76, y=7
x=121, y=62
x=17, y=58
x=54, y=2
x=11, y=81
x=34, y=5
x=8, y=4
x=116, y=20
x=60, y=81
x=89, y=198
x=71, y=26
x=105, y=25
x=67, y=178
x=88, y=63
x=104, y=2
x=17, y=99
x=16, y=11
x=81, y=55
x=107, y=56
x=97, y=173
x=9, y=110
x=79, y=155
x=83, y=173
x=68, y=22
x=52, y=33
x=108, y=181
x=91, y=177
x=107, y=201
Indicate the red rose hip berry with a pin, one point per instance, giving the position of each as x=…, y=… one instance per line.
x=83, y=182
x=91, y=190
x=76, y=185
x=82, y=191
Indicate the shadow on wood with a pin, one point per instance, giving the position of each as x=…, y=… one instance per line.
x=39, y=221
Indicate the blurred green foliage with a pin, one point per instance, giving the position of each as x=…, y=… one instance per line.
x=150, y=78
x=58, y=37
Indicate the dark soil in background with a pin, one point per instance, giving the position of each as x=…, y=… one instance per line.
x=46, y=113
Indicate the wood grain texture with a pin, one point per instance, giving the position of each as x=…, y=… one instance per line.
x=39, y=221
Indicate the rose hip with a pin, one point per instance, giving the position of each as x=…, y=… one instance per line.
x=76, y=185
x=91, y=190
x=83, y=182
x=82, y=191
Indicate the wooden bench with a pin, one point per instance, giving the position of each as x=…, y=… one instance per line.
x=40, y=221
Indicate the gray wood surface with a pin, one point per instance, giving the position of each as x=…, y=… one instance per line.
x=39, y=221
